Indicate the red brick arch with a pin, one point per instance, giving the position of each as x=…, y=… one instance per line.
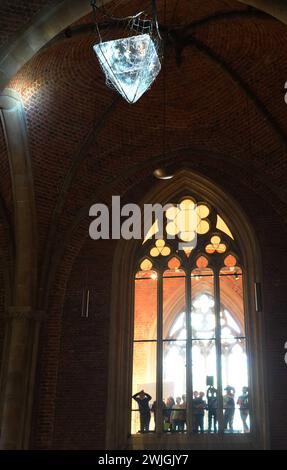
x=121, y=293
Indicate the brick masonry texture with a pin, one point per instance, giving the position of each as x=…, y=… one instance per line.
x=5, y=221
x=87, y=145
x=16, y=14
x=72, y=362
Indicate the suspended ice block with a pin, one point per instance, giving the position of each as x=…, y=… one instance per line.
x=130, y=64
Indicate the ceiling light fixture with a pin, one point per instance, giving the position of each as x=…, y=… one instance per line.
x=162, y=174
x=131, y=63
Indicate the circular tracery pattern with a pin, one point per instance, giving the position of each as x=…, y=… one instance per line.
x=196, y=277
x=187, y=219
x=215, y=246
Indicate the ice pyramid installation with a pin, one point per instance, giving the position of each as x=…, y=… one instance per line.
x=130, y=64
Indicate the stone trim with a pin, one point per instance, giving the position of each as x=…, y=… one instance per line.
x=120, y=367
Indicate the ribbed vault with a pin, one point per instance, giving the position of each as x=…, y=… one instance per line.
x=225, y=118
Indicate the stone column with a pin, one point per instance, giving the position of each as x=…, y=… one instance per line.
x=22, y=333
x=22, y=322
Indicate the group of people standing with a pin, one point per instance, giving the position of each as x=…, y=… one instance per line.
x=174, y=411
x=229, y=408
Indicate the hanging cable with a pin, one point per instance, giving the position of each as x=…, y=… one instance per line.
x=114, y=18
x=94, y=8
x=137, y=51
x=164, y=87
x=155, y=19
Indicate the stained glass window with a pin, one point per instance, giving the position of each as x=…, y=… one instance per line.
x=190, y=359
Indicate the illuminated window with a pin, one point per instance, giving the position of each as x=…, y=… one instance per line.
x=190, y=351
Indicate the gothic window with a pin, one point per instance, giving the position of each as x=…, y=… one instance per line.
x=190, y=351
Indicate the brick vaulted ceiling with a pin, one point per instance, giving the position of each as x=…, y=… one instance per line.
x=225, y=108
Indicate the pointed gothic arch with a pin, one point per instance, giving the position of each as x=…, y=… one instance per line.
x=121, y=330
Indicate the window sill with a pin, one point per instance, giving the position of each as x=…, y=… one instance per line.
x=153, y=441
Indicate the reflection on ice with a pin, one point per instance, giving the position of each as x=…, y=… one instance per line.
x=130, y=64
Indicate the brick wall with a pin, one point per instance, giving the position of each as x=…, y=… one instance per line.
x=78, y=421
x=83, y=153
x=2, y=306
x=5, y=220
x=81, y=398
x=15, y=15
x=3, y=155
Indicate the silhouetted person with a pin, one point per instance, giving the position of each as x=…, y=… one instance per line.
x=168, y=410
x=212, y=408
x=229, y=408
x=195, y=397
x=182, y=416
x=175, y=416
x=198, y=407
x=143, y=400
x=243, y=402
